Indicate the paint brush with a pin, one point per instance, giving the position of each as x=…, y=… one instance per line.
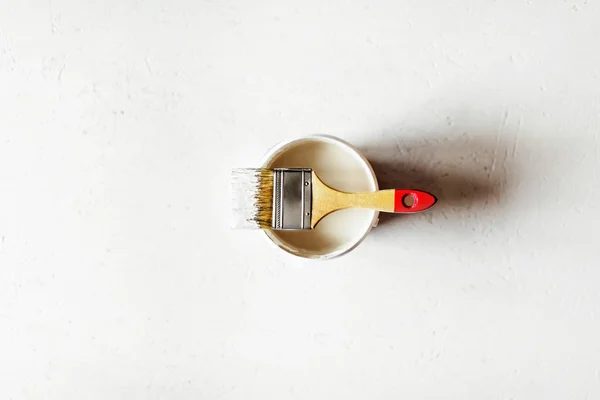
x=295, y=198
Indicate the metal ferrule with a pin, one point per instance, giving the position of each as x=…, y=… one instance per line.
x=292, y=198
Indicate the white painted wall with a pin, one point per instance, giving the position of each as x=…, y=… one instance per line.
x=120, y=120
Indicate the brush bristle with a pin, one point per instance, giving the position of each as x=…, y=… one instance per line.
x=252, y=198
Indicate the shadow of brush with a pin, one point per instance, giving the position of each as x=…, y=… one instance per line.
x=466, y=173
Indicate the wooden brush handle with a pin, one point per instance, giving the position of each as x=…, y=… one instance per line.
x=326, y=200
x=390, y=200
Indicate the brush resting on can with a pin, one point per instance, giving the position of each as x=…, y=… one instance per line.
x=295, y=198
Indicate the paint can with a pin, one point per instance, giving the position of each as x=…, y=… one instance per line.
x=341, y=166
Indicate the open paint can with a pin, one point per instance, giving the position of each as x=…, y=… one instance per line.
x=341, y=166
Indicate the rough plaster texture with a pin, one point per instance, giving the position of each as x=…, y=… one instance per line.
x=119, y=121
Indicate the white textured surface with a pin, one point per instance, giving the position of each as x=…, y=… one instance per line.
x=120, y=120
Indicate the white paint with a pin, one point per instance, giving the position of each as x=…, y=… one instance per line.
x=341, y=166
x=121, y=120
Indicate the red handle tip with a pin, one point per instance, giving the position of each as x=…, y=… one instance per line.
x=421, y=201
